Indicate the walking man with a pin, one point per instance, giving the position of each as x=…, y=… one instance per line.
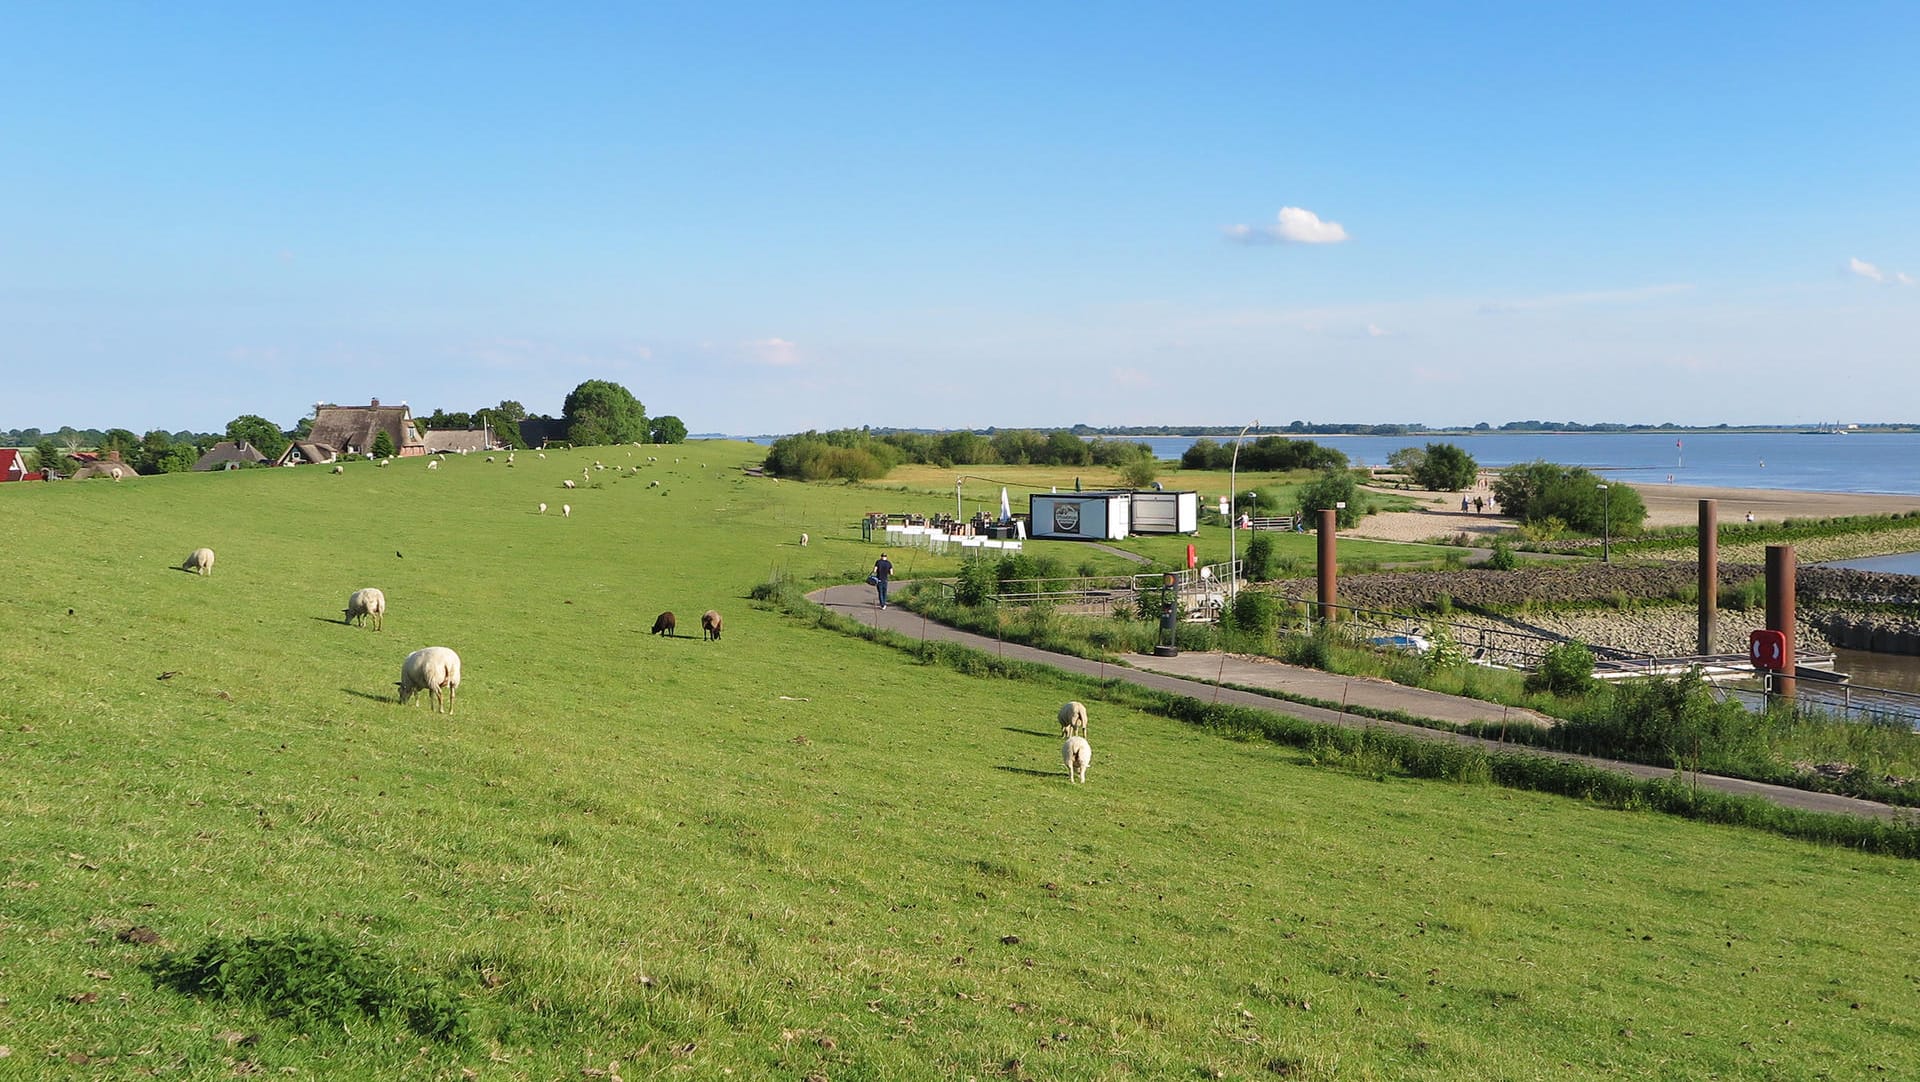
x=882, y=571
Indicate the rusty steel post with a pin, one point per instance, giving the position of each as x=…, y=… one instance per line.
x=1329, y=572
x=1709, y=576
x=1780, y=586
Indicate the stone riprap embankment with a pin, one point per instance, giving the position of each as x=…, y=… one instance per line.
x=1860, y=610
x=1806, y=551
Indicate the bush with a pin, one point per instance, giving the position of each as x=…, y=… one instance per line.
x=1744, y=596
x=1445, y=468
x=1567, y=669
x=1503, y=558
x=1259, y=559
x=1537, y=491
x=1255, y=616
x=1330, y=489
x=978, y=580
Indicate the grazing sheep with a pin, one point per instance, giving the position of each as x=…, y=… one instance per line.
x=199, y=561
x=655, y=483
x=339, y=469
x=434, y=670
x=364, y=603
x=509, y=458
x=1076, y=753
x=542, y=454
x=566, y=510
x=433, y=464
x=543, y=508
x=568, y=483
x=710, y=625
x=663, y=625
x=382, y=464
x=1073, y=719
x=489, y=458
x=803, y=540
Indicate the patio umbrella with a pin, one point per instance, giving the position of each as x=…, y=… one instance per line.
x=1005, y=513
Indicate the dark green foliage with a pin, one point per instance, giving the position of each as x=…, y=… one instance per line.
x=1139, y=473
x=1671, y=721
x=601, y=412
x=1254, y=617
x=1329, y=490
x=1744, y=596
x=1258, y=563
x=847, y=454
x=259, y=432
x=382, y=445
x=979, y=578
x=1538, y=491
x=1503, y=558
x=1268, y=453
x=311, y=977
x=667, y=429
x=1445, y=468
x=47, y=456
x=1566, y=669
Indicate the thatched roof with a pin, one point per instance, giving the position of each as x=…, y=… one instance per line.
x=444, y=440
x=351, y=429
x=220, y=454
x=301, y=452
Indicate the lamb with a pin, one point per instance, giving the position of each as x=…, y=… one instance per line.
x=1073, y=719
x=663, y=625
x=339, y=469
x=433, y=464
x=199, y=561
x=568, y=483
x=566, y=510
x=710, y=625
x=803, y=540
x=543, y=508
x=542, y=454
x=383, y=463
x=489, y=458
x=364, y=603
x=434, y=670
x=1076, y=753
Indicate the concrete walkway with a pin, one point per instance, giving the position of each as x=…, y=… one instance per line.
x=1184, y=677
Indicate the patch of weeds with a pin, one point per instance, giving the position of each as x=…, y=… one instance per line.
x=312, y=977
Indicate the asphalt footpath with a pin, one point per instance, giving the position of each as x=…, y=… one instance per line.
x=1209, y=676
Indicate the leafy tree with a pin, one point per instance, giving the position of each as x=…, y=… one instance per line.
x=1329, y=490
x=259, y=432
x=1538, y=491
x=603, y=412
x=1139, y=473
x=1258, y=564
x=1409, y=461
x=152, y=450
x=47, y=456
x=1566, y=669
x=667, y=429
x=1445, y=468
x=382, y=444
x=121, y=440
x=1502, y=558
x=509, y=410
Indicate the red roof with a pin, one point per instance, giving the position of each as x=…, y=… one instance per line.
x=11, y=468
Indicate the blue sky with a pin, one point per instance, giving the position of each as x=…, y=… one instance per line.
x=764, y=219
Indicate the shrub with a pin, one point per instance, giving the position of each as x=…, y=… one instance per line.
x=1503, y=558
x=1445, y=468
x=977, y=582
x=1254, y=615
x=1744, y=596
x=382, y=445
x=1259, y=559
x=1331, y=489
x=1567, y=669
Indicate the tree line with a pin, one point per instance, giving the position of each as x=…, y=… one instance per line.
x=596, y=412
x=856, y=454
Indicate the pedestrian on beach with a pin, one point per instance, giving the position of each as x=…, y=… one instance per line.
x=1463, y=505
x=1479, y=505
x=882, y=571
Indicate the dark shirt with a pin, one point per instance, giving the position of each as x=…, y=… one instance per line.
x=883, y=569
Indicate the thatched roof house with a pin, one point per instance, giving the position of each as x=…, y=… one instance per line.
x=456, y=441
x=230, y=455
x=352, y=429
x=306, y=452
x=110, y=466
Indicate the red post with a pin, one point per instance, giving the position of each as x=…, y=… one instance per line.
x=1780, y=614
x=1709, y=600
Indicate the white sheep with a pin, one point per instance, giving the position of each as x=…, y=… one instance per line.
x=542, y=454
x=1073, y=719
x=509, y=458
x=489, y=458
x=566, y=510
x=339, y=469
x=655, y=483
x=433, y=464
x=1076, y=753
x=199, y=561
x=568, y=483
x=364, y=603
x=803, y=540
x=543, y=508
x=382, y=464
x=434, y=670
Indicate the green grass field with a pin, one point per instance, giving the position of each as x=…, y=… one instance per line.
x=792, y=853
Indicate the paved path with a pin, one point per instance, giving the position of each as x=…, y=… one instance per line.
x=857, y=602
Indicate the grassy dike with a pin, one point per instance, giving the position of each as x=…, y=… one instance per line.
x=792, y=853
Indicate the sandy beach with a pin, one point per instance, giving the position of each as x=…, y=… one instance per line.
x=1667, y=505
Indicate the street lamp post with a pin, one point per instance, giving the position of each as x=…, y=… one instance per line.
x=1233, y=510
x=1606, y=525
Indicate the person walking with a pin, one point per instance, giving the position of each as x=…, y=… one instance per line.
x=882, y=571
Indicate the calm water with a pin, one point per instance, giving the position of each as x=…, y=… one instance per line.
x=1905, y=563
x=1888, y=462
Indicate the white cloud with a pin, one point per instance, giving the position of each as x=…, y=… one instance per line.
x=1375, y=330
x=1903, y=278
x=774, y=351
x=1296, y=225
x=1866, y=270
